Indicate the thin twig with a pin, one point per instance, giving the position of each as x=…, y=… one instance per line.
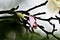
x=37, y=6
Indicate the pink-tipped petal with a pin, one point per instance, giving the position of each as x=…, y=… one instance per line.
x=35, y=26
x=32, y=20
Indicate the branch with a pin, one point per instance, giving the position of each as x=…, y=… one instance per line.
x=58, y=19
x=47, y=19
x=52, y=33
x=39, y=14
x=49, y=32
x=37, y=6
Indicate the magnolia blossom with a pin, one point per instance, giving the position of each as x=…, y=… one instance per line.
x=32, y=21
x=57, y=3
x=54, y=5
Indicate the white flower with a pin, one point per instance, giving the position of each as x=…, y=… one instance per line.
x=57, y=3
x=53, y=5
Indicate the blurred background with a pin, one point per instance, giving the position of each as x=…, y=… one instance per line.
x=26, y=4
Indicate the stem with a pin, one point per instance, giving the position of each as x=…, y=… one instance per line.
x=37, y=6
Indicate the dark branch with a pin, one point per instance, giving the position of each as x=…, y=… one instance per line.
x=5, y=17
x=14, y=8
x=49, y=32
x=59, y=12
x=46, y=19
x=58, y=19
x=39, y=14
x=37, y=6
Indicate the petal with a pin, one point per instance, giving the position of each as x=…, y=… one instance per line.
x=35, y=26
x=32, y=20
